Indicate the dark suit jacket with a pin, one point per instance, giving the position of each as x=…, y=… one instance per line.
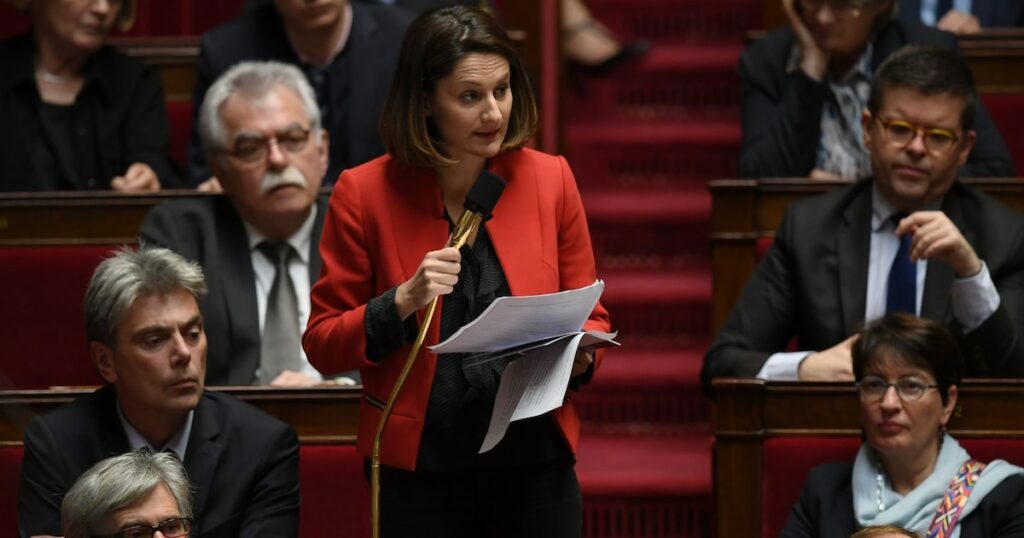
x=825, y=508
x=384, y=216
x=119, y=119
x=990, y=13
x=242, y=463
x=812, y=284
x=782, y=111
x=356, y=85
x=209, y=231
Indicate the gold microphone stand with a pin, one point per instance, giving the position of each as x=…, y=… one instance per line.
x=466, y=226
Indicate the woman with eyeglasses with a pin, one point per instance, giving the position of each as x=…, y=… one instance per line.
x=907, y=369
x=78, y=114
x=805, y=87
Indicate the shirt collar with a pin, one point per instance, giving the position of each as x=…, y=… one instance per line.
x=177, y=444
x=882, y=211
x=342, y=41
x=300, y=240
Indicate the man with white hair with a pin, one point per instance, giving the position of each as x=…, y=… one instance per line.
x=132, y=494
x=259, y=245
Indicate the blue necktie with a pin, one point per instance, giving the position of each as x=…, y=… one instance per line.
x=901, y=296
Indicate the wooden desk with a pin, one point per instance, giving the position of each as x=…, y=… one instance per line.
x=319, y=415
x=750, y=411
x=745, y=210
x=174, y=57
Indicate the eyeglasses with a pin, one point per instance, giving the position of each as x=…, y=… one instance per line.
x=844, y=7
x=251, y=150
x=909, y=389
x=900, y=133
x=172, y=528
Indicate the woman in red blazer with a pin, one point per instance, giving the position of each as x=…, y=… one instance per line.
x=460, y=102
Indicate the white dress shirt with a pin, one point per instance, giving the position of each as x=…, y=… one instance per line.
x=178, y=444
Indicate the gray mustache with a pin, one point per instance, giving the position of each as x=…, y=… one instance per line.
x=288, y=176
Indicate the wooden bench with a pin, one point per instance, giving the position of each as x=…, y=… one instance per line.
x=335, y=494
x=746, y=210
x=769, y=435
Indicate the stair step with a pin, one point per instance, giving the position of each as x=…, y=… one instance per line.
x=659, y=309
x=649, y=228
x=652, y=154
x=645, y=391
x=671, y=81
x=621, y=465
x=668, y=21
x=645, y=486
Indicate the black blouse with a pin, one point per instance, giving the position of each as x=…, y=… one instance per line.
x=117, y=119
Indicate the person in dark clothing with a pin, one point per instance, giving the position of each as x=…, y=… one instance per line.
x=81, y=115
x=347, y=49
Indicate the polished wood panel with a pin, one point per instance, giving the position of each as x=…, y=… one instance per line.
x=750, y=411
x=325, y=415
x=745, y=210
x=174, y=58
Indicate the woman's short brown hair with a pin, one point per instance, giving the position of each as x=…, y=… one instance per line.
x=125, y=18
x=918, y=342
x=433, y=45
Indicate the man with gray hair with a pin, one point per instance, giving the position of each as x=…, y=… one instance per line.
x=147, y=340
x=259, y=246
x=132, y=494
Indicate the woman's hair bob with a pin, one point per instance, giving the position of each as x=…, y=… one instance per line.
x=433, y=46
x=917, y=342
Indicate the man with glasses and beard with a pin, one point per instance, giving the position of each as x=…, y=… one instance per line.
x=258, y=244
x=911, y=238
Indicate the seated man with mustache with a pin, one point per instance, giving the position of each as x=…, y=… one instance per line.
x=261, y=131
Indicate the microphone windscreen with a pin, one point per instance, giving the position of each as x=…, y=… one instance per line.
x=484, y=194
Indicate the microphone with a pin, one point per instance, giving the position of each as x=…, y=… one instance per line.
x=480, y=201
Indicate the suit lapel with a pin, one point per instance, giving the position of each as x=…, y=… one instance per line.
x=113, y=440
x=239, y=284
x=515, y=227
x=852, y=252
x=935, y=303
x=204, y=449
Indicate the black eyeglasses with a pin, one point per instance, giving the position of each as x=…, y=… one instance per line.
x=172, y=528
x=909, y=389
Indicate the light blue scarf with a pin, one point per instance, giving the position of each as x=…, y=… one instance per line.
x=916, y=510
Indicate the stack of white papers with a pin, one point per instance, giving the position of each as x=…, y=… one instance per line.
x=544, y=331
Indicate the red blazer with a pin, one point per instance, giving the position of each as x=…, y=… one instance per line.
x=384, y=216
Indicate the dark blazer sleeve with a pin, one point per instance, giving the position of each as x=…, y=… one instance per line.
x=763, y=319
x=273, y=508
x=825, y=507
x=159, y=228
x=45, y=478
x=781, y=112
x=146, y=135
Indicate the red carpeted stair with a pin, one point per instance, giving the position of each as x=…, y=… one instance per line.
x=644, y=140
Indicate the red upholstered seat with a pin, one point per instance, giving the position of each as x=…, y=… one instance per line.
x=787, y=460
x=43, y=333
x=1005, y=111
x=335, y=493
x=10, y=477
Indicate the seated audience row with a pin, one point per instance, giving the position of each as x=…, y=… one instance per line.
x=805, y=88
x=910, y=238
x=148, y=342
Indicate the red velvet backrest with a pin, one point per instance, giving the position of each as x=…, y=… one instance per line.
x=335, y=492
x=43, y=332
x=10, y=477
x=179, y=116
x=787, y=460
x=1005, y=111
